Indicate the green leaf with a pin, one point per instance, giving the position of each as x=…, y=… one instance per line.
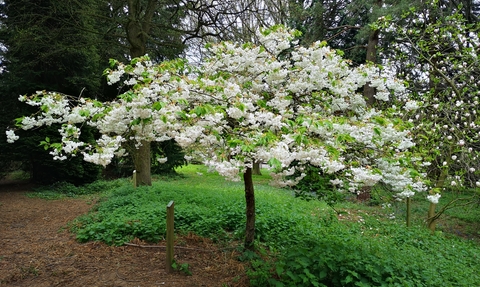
x=163, y=118
x=134, y=61
x=180, y=114
x=275, y=163
x=279, y=269
x=262, y=104
x=345, y=138
x=97, y=104
x=112, y=62
x=183, y=102
x=136, y=122
x=379, y=120
x=333, y=151
x=200, y=110
x=157, y=106
x=84, y=113
x=18, y=121
x=56, y=146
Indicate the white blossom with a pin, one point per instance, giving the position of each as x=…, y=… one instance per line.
x=11, y=137
x=434, y=198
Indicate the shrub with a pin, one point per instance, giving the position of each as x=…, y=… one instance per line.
x=316, y=185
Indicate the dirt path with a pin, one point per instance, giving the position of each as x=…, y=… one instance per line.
x=36, y=251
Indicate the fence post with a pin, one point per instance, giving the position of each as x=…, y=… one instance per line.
x=134, y=178
x=170, y=236
x=409, y=211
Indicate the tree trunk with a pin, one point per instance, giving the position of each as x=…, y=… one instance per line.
x=431, y=222
x=141, y=160
x=369, y=91
x=256, y=168
x=139, y=25
x=250, y=210
x=431, y=219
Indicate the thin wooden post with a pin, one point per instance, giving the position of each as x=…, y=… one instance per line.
x=134, y=178
x=409, y=211
x=170, y=237
x=431, y=217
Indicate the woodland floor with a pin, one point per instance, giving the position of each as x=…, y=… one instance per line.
x=37, y=250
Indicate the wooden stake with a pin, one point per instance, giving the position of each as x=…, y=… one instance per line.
x=409, y=211
x=170, y=237
x=134, y=178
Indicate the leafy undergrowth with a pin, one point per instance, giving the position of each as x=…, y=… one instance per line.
x=299, y=243
x=60, y=190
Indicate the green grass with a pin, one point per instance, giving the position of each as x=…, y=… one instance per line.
x=299, y=243
x=462, y=218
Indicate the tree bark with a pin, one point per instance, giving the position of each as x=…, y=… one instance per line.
x=137, y=29
x=431, y=222
x=431, y=219
x=250, y=209
x=256, y=168
x=142, y=162
x=139, y=25
x=369, y=91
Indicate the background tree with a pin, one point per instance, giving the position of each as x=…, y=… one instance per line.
x=46, y=47
x=350, y=26
x=439, y=59
x=64, y=46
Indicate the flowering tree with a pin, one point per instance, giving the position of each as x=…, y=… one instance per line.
x=277, y=103
x=439, y=57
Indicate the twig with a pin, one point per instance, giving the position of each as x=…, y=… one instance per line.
x=451, y=205
x=124, y=279
x=161, y=246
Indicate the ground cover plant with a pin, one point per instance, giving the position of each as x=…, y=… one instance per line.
x=61, y=189
x=299, y=243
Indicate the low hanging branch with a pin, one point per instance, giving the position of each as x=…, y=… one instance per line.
x=450, y=205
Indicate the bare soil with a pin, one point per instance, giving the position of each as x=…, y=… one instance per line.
x=37, y=250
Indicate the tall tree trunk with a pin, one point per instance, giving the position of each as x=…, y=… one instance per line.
x=369, y=91
x=250, y=210
x=142, y=162
x=256, y=168
x=139, y=25
x=137, y=29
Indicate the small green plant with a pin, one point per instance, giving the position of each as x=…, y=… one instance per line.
x=30, y=270
x=183, y=267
